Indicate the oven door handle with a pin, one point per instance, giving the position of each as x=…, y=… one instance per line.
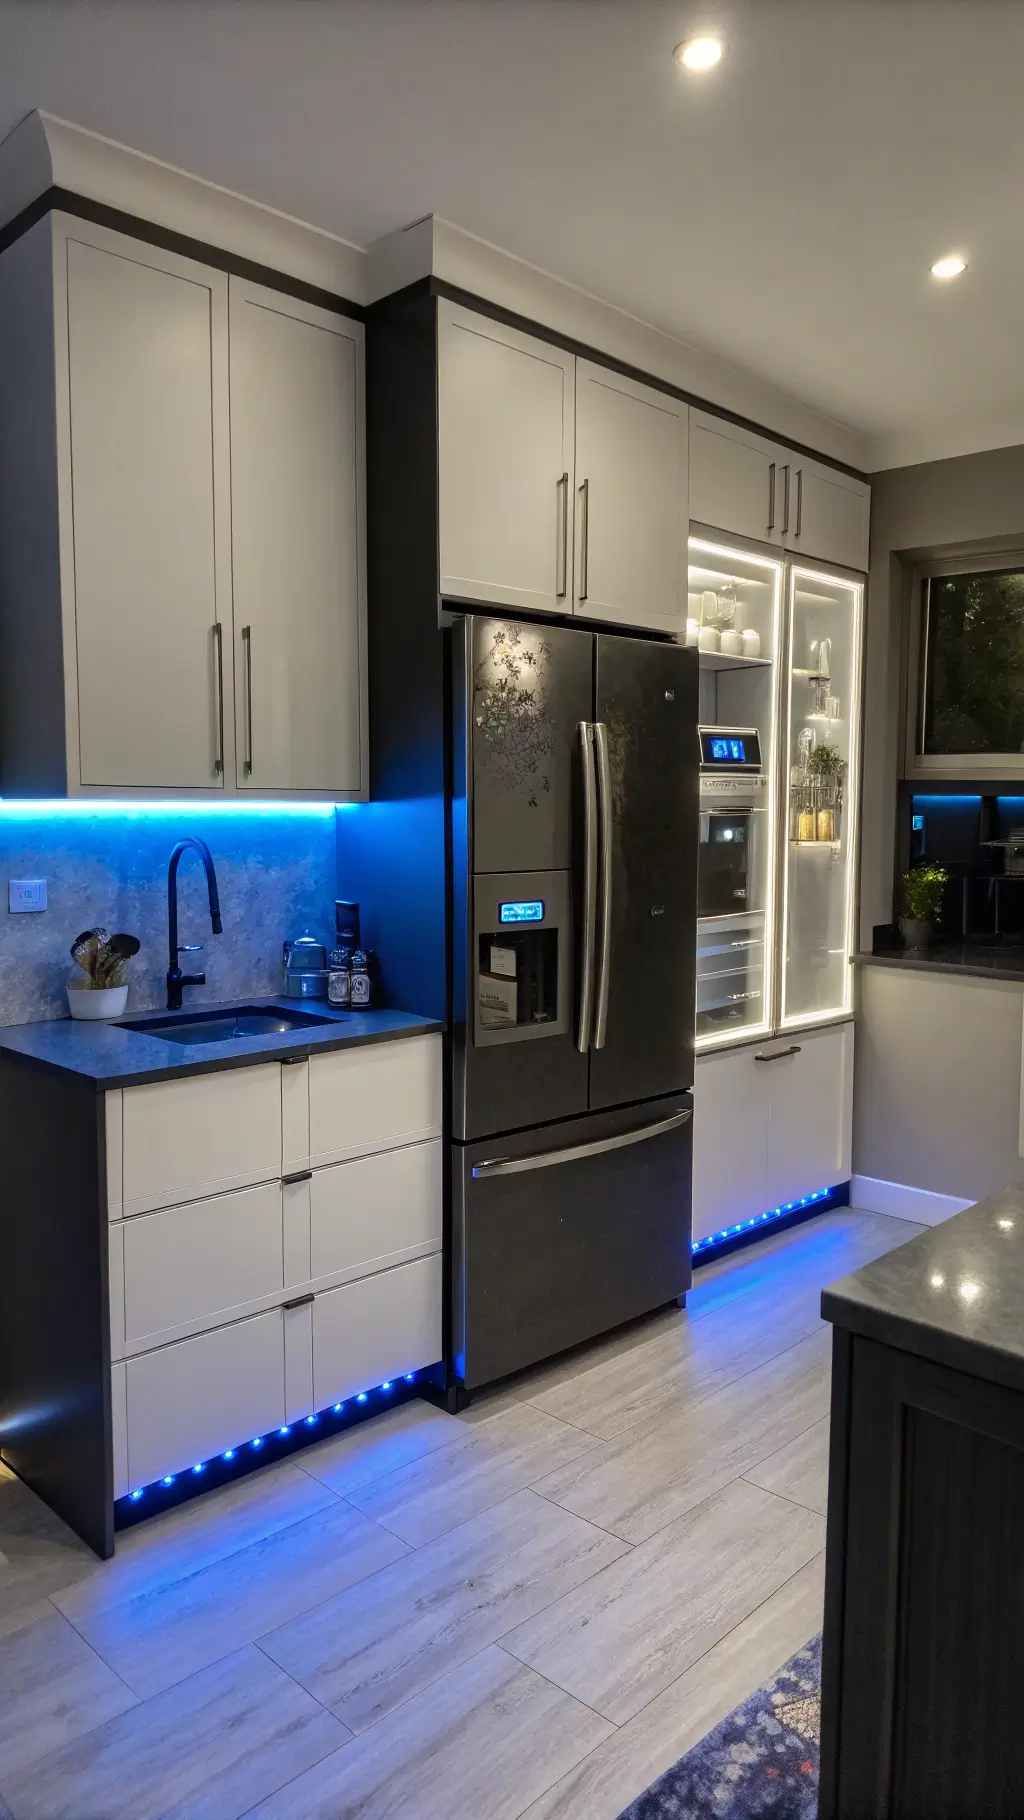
x=573, y=1153
x=586, y=737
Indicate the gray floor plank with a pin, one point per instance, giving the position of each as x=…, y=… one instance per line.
x=153, y=1638
x=638, y=1483
x=39, y=1554
x=53, y=1688
x=663, y=1731
x=479, y=1745
x=374, y=1449
x=384, y=1640
x=625, y=1635
x=492, y=1460
x=207, y=1749
x=798, y=1471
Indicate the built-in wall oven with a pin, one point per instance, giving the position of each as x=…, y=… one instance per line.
x=730, y=930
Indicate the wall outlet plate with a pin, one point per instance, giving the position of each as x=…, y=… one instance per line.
x=27, y=894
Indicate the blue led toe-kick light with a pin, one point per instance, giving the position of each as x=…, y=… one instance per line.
x=232, y=1462
x=730, y=1234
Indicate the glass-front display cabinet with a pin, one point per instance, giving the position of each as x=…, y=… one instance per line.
x=822, y=727
x=779, y=655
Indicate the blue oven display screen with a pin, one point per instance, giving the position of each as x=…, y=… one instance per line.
x=530, y=910
x=729, y=751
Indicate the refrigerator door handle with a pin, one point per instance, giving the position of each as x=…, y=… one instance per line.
x=572, y=1153
x=586, y=734
x=604, y=932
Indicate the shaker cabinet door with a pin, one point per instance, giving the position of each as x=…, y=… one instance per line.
x=631, y=502
x=828, y=516
x=297, y=544
x=505, y=428
x=145, y=472
x=730, y=1140
x=735, y=480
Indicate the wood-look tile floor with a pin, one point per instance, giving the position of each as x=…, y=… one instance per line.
x=526, y=1612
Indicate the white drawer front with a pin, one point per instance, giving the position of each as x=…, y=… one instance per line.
x=200, y=1135
x=366, y=1211
x=190, y=1401
x=377, y=1328
x=201, y=1260
x=373, y=1097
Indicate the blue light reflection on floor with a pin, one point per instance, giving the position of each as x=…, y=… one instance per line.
x=728, y=1236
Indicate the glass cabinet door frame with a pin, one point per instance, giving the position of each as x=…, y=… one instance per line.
x=855, y=584
x=721, y=546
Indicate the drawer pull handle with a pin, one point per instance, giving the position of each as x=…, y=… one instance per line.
x=299, y=1302
x=293, y=1061
x=301, y=1175
x=780, y=1054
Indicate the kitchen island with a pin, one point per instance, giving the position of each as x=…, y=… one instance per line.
x=210, y=1246
x=923, y=1655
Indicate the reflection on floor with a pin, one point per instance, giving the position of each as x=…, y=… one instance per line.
x=529, y=1610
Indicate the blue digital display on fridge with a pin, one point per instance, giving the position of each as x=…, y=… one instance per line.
x=529, y=910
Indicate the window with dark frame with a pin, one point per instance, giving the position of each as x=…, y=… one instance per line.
x=972, y=663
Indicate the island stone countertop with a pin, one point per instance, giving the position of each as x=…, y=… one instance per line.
x=954, y=1294
x=112, y=1055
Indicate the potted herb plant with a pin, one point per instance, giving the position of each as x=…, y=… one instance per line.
x=920, y=904
x=826, y=767
x=103, y=958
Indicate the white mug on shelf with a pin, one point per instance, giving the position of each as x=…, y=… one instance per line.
x=751, y=643
x=732, y=642
x=691, y=631
x=707, y=638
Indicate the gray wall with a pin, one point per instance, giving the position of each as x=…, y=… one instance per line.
x=276, y=873
x=937, y=1081
x=936, y=507
x=938, y=1061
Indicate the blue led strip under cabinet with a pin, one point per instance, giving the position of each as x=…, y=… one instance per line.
x=713, y=1239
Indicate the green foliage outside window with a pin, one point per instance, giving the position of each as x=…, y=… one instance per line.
x=974, y=663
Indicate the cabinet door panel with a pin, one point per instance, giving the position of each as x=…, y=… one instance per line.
x=811, y=1112
x=505, y=427
x=631, y=459
x=828, y=515
x=192, y=1400
x=730, y=1140
x=297, y=542
x=201, y=1260
x=201, y=1135
x=734, y=480
x=378, y=1328
x=147, y=341
x=364, y=1212
x=373, y=1098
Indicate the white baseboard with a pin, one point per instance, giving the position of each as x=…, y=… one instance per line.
x=925, y=1205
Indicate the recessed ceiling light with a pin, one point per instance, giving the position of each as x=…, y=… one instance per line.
x=950, y=266
x=698, y=53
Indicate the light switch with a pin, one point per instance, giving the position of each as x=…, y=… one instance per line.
x=27, y=894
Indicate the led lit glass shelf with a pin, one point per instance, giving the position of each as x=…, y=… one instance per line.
x=725, y=660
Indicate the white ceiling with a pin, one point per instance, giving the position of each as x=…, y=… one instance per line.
x=781, y=212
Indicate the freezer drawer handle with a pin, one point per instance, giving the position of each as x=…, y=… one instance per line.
x=604, y=947
x=780, y=1054
x=586, y=733
x=546, y=1159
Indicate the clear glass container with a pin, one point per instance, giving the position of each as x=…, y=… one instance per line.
x=739, y=596
x=822, y=721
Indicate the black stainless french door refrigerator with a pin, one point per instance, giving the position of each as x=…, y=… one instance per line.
x=574, y=847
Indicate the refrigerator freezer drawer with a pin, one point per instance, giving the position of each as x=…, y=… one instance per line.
x=565, y=1231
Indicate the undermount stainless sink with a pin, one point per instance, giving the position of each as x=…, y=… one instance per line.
x=225, y=1026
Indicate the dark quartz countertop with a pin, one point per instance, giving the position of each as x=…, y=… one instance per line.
x=110, y=1055
x=964, y=958
x=954, y=1294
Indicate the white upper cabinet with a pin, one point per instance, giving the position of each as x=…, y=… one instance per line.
x=745, y=485
x=147, y=399
x=828, y=514
x=734, y=480
x=297, y=443
x=505, y=435
x=631, y=511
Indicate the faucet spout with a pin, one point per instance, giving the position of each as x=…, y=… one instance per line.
x=175, y=978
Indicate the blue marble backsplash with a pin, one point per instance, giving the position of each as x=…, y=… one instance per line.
x=276, y=871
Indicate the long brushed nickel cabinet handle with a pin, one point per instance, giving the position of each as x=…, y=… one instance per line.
x=771, y=496
x=584, y=538
x=247, y=659
x=562, y=578
x=218, y=653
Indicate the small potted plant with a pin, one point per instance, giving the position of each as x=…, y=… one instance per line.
x=103, y=958
x=827, y=766
x=920, y=904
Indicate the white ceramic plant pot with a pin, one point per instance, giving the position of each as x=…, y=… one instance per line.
x=83, y=1001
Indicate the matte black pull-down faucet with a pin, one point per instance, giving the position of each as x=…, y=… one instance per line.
x=175, y=978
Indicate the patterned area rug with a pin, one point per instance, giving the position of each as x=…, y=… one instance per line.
x=761, y=1763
